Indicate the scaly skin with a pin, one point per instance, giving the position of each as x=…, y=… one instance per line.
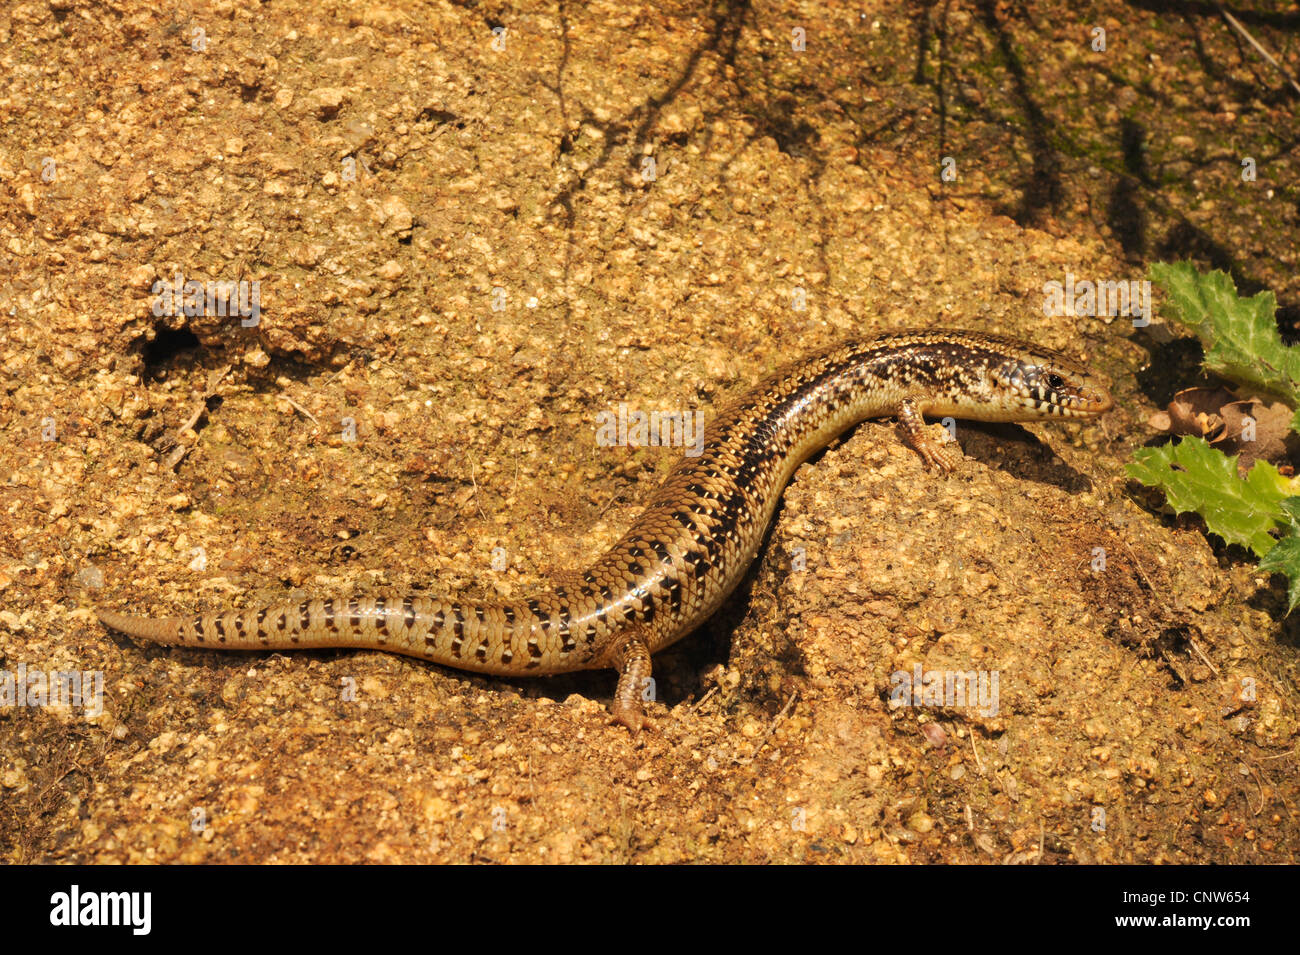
x=689, y=549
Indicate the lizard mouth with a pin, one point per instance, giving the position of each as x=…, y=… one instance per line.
x=1094, y=400
x=1089, y=401
x=1078, y=401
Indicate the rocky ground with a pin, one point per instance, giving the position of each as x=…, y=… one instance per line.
x=475, y=227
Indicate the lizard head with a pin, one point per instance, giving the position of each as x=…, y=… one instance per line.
x=1027, y=383
x=1043, y=387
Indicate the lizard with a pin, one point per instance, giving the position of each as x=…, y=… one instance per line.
x=691, y=546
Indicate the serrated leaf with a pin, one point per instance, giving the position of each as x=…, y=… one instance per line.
x=1284, y=559
x=1291, y=510
x=1196, y=477
x=1240, y=334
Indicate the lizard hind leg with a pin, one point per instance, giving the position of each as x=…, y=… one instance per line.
x=630, y=656
x=628, y=653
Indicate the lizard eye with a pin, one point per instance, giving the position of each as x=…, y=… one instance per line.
x=1055, y=382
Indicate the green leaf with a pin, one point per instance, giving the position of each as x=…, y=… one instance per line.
x=1285, y=559
x=1291, y=510
x=1197, y=477
x=1240, y=334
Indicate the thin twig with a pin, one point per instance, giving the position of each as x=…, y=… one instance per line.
x=179, y=450
x=1201, y=653
x=1138, y=567
x=979, y=763
x=301, y=409
x=739, y=760
x=1290, y=752
x=473, y=476
x=1263, y=798
x=704, y=699
x=1233, y=22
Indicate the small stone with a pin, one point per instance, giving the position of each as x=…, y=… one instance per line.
x=27, y=196
x=141, y=277
x=325, y=102
x=395, y=217
x=90, y=577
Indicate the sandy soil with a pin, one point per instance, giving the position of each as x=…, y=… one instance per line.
x=462, y=257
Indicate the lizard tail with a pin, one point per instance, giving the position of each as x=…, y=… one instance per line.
x=157, y=630
x=531, y=636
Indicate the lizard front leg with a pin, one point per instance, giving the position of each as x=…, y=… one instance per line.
x=937, y=454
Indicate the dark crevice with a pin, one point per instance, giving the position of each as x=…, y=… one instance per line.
x=167, y=345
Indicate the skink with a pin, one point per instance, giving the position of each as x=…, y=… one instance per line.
x=689, y=549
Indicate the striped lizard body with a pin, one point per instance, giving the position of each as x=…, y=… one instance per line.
x=692, y=545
